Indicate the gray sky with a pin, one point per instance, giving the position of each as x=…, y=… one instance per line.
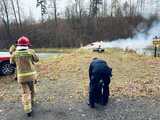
x=30, y=7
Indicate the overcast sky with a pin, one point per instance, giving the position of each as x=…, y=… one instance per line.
x=30, y=7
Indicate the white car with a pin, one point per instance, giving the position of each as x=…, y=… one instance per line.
x=96, y=47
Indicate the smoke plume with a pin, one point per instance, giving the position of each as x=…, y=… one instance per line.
x=139, y=41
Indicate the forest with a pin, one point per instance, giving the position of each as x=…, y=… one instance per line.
x=79, y=23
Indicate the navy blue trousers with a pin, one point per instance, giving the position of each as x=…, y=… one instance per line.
x=99, y=92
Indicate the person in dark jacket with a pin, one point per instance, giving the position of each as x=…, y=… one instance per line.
x=99, y=74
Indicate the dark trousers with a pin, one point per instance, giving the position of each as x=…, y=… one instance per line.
x=99, y=92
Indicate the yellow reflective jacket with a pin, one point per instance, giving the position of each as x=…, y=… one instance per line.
x=24, y=60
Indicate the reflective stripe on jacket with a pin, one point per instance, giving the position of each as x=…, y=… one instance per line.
x=24, y=60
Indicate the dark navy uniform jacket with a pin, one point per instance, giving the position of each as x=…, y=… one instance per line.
x=99, y=65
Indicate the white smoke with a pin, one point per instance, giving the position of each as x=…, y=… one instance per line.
x=139, y=41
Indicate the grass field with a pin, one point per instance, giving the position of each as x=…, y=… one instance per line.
x=133, y=76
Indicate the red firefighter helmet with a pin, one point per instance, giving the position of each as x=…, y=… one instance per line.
x=23, y=41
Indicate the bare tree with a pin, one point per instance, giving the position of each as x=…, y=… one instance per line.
x=68, y=13
x=42, y=4
x=79, y=8
x=140, y=6
x=126, y=8
x=114, y=6
x=15, y=15
x=55, y=11
x=5, y=16
x=105, y=8
x=94, y=7
x=19, y=13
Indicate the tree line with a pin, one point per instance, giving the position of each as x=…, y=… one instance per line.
x=79, y=25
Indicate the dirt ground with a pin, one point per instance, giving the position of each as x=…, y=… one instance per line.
x=117, y=109
x=61, y=93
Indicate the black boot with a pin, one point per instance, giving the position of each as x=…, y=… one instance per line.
x=104, y=103
x=29, y=114
x=91, y=106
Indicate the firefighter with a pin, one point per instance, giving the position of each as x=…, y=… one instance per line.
x=24, y=58
x=99, y=74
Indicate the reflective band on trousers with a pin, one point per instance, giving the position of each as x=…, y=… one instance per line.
x=26, y=74
x=27, y=107
x=26, y=100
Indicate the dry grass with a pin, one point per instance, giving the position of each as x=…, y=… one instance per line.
x=133, y=76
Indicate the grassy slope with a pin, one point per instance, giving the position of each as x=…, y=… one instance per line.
x=133, y=76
